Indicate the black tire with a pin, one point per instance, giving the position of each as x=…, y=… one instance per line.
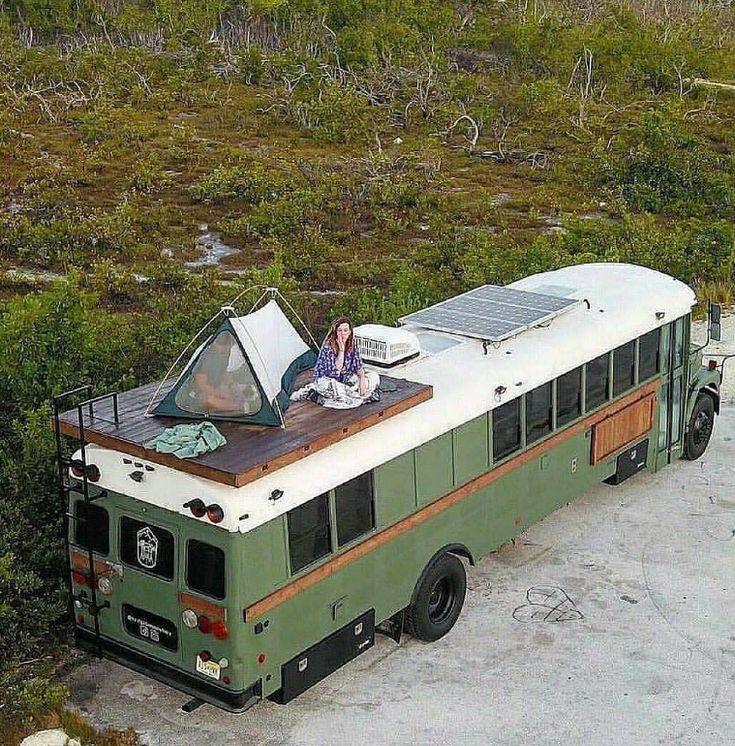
x=438, y=598
x=699, y=430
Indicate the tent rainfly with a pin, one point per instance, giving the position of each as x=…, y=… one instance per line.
x=243, y=372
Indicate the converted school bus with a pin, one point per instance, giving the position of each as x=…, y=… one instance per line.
x=258, y=569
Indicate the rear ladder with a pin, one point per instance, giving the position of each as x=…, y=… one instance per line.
x=64, y=463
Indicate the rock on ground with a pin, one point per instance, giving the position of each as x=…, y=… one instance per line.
x=54, y=737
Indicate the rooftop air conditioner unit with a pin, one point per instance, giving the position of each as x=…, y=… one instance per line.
x=385, y=345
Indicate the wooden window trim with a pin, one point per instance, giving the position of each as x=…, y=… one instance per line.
x=292, y=589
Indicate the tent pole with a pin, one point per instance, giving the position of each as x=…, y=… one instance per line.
x=280, y=414
x=247, y=290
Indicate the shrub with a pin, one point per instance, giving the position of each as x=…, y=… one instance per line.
x=663, y=168
x=250, y=182
x=286, y=216
x=149, y=177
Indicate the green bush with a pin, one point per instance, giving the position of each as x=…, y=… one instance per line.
x=73, y=237
x=661, y=167
x=286, y=216
x=149, y=177
x=251, y=182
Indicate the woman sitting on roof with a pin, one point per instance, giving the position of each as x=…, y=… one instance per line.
x=340, y=379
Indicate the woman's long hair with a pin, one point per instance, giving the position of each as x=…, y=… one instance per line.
x=332, y=335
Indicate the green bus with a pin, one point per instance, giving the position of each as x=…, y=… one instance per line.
x=255, y=570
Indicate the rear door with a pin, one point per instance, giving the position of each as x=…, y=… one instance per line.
x=148, y=598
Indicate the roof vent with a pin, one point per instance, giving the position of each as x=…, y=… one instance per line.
x=385, y=345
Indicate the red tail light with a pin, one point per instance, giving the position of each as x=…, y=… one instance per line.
x=93, y=471
x=204, y=624
x=197, y=507
x=79, y=577
x=215, y=513
x=205, y=656
x=220, y=631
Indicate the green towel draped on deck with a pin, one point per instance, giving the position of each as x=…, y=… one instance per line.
x=187, y=441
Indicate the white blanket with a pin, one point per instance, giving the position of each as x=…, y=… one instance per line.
x=331, y=393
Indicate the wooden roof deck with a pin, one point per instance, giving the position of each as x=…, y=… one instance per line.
x=251, y=450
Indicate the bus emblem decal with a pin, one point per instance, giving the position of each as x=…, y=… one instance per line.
x=147, y=547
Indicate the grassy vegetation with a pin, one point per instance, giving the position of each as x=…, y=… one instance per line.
x=395, y=152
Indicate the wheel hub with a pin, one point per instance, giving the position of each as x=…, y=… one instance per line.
x=441, y=600
x=702, y=428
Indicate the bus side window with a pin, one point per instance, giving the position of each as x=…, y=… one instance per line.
x=92, y=527
x=568, y=397
x=665, y=348
x=679, y=342
x=354, y=508
x=538, y=413
x=649, y=361
x=596, y=385
x=623, y=368
x=309, y=536
x=506, y=429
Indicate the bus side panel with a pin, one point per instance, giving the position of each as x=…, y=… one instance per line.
x=395, y=489
x=434, y=469
x=471, y=450
x=384, y=579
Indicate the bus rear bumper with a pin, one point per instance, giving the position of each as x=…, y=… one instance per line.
x=231, y=701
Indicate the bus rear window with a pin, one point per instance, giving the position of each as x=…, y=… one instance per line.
x=146, y=547
x=91, y=527
x=205, y=569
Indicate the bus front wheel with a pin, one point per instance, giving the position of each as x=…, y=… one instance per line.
x=700, y=427
x=437, y=600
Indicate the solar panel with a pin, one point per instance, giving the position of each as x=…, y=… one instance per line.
x=490, y=312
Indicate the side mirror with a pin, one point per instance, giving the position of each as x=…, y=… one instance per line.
x=714, y=311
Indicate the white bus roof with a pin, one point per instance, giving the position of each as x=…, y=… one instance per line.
x=625, y=301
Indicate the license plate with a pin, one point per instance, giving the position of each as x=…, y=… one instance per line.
x=208, y=668
x=149, y=627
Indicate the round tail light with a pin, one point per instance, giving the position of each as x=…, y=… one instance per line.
x=220, y=631
x=205, y=656
x=93, y=472
x=105, y=585
x=215, y=513
x=204, y=624
x=77, y=469
x=197, y=507
x=189, y=618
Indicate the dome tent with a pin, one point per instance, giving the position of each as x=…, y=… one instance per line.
x=244, y=372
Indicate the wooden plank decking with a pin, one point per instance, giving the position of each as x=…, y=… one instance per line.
x=251, y=451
